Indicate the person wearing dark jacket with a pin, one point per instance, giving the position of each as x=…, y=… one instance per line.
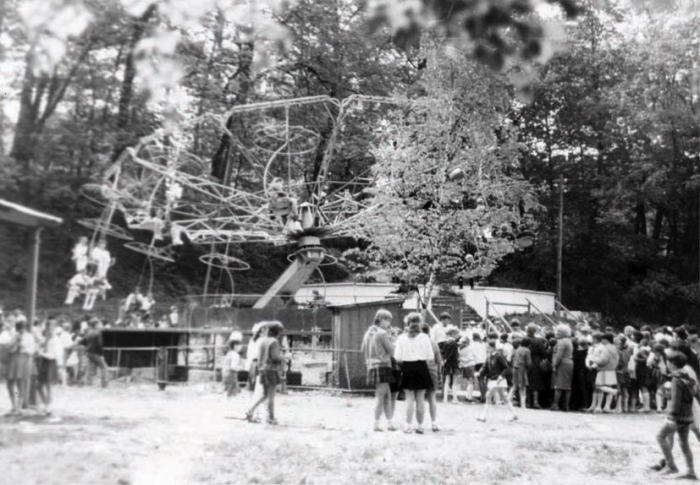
x=681, y=343
x=95, y=352
x=495, y=370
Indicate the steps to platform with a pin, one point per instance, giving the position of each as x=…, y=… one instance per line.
x=469, y=315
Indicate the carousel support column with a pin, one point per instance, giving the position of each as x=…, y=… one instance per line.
x=32, y=273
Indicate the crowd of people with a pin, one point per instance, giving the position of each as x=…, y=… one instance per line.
x=571, y=367
x=33, y=358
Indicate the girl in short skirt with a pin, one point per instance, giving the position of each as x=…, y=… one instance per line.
x=19, y=373
x=413, y=352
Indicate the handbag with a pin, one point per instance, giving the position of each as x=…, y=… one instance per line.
x=545, y=366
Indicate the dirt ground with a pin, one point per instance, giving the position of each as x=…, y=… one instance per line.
x=191, y=435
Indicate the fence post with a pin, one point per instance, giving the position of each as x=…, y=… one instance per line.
x=347, y=369
x=336, y=346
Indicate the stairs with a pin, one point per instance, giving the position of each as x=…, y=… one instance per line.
x=469, y=315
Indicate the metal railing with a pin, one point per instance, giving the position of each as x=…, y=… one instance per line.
x=567, y=312
x=344, y=368
x=505, y=324
x=541, y=313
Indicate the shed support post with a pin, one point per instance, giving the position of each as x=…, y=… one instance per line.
x=336, y=346
x=32, y=274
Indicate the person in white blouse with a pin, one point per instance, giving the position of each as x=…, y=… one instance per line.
x=413, y=351
x=101, y=258
x=80, y=254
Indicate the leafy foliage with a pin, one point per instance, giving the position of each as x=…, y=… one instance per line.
x=449, y=195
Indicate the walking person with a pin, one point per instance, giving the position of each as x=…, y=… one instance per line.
x=684, y=390
x=377, y=349
x=94, y=350
x=270, y=362
x=562, y=367
x=434, y=367
x=259, y=330
x=413, y=352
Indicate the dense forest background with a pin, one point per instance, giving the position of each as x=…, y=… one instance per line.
x=614, y=113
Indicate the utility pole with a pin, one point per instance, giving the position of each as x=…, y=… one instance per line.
x=560, y=244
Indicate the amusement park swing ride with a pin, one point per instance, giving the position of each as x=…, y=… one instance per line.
x=287, y=186
x=287, y=180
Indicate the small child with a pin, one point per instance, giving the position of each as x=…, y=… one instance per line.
x=495, y=370
x=684, y=390
x=450, y=363
x=467, y=362
x=76, y=285
x=269, y=371
x=522, y=360
x=229, y=370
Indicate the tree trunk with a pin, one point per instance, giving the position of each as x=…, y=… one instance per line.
x=640, y=220
x=126, y=94
x=226, y=155
x=658, y=224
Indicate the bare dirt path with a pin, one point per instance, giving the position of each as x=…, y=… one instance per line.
x=139, y=435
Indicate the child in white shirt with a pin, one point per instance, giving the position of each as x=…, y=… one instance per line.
x=232, y=361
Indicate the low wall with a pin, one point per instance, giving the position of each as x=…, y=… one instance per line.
x=507, y=300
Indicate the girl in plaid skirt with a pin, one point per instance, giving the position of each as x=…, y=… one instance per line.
x=377, y=348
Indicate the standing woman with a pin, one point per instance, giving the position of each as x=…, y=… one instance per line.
x=252, y=363
x=377, y=349
x=50, y=357
x=434, y=367
x=562, y=367
x=413, y=351
x=538, y=353
x=21, y=349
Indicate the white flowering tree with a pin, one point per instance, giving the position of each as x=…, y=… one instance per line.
x=449, y=196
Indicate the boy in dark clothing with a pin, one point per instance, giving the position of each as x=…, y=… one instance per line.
x=495, y=370
x=94, y=350
x=450, y=356
x=684, y=390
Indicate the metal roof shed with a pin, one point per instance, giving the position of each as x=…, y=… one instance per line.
x=35, y=221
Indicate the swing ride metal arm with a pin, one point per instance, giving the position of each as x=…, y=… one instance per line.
x=289, y=283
